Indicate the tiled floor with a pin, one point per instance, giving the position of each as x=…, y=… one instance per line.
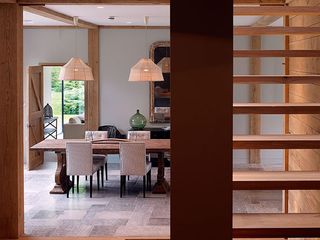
x=108, y=215
x=103, y=215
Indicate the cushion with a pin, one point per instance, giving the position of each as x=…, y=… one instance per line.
x=74, y=120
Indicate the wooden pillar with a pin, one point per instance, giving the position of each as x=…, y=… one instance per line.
x=285, y=202
x=255, y=119
x=92, y=87
x=11, y=121
x=202, y=86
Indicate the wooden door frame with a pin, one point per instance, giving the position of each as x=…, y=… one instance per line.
x=11, y=223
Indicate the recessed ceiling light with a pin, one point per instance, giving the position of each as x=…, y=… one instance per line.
x=28, y=21
x=129, y=22
x=100, y=7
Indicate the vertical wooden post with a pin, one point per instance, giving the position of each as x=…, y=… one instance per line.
x=201, y=86
x=11, y=121
x=285, y=202
x=92, y=87
x=255, y=119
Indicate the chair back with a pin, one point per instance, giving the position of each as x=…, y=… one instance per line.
x=96, y=135
x=79, y=158
x=133, y=159
x=138, y=135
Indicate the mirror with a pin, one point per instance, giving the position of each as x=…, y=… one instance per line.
x=160, y=94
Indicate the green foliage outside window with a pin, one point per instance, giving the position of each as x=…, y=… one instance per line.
x=73, y=94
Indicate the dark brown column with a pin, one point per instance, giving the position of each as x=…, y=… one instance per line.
x=11, y=124
x=201, y=43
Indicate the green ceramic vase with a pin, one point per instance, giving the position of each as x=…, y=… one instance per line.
x=138, y=121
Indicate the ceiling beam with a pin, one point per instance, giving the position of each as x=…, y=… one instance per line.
x=271, y=2
x=48, y=13
x=8, y=1
x=252, y=31
x=100, y=26
x=276, y=11
x=265, y=21
x=115, y=2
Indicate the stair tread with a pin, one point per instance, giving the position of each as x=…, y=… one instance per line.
x=276, y=225
x=262, y=180
x=276, y=108
x=276, y=141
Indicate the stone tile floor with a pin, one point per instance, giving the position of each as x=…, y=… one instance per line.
x=103, y=215
x=108, y=215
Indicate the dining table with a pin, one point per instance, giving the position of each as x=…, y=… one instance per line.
x=108, y=146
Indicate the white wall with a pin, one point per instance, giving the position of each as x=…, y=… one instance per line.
x=120, y=49
x=49, y=46
x=270, y=124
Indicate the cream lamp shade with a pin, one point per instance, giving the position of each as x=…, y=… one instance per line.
x=76, y=70
x=164, y=64
x=145, y=71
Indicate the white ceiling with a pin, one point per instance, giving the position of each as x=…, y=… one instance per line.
x=125, y=15
x=159, y=15
x=30, y=19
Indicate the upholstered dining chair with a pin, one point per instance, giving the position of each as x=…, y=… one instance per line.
x=96, y=136
x=79, y=161
x=133, y=162
x=139, y=135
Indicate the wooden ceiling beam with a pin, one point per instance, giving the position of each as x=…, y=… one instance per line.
x=275, y=11
x=277, y=79
x=110, y=2
x=48, y=13
x=253, y=31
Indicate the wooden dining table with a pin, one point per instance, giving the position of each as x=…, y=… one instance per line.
x=110, y=146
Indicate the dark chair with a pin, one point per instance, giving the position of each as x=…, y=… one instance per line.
x=113, y=132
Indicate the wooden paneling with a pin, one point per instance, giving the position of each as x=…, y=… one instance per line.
x=11, y=121
x=259, y=2
x=304, y=159
x=92, y=87
x=275, y=225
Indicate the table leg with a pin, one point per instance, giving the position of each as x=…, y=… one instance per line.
x=63, y=183
x=161, y=186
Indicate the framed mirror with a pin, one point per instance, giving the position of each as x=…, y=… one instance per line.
x=160, y=94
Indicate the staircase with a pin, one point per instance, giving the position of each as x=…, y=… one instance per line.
x=280, y=225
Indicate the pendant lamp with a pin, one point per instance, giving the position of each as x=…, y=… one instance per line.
x=76, y=69
x=145, y=70
x=164, y=64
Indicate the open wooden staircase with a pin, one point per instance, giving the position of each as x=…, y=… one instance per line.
x=279, y=225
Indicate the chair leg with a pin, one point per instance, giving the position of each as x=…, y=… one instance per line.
x=98, y=179
x=150, y=180
x=128, y=178
x=144, y=186
x=77, y=184
x=102, y=178
x=86, y=177
x=106, y=170
x=121, y=185
x=90, y=186
x=72, y=184
x=68, y=188
x=124, y=184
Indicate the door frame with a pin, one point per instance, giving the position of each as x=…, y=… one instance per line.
x=200, y=33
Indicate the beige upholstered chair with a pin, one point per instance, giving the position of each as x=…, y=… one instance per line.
x=94, y=136
x=139, y=135
x=80, y=162
x=133, y=162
